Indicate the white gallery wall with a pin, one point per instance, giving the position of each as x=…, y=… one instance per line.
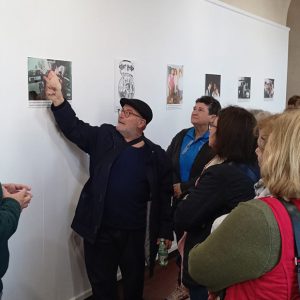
x=204, y=36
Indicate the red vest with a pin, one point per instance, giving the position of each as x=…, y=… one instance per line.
x=281, y=282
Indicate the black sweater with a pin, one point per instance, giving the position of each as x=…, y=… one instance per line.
x=220, y=188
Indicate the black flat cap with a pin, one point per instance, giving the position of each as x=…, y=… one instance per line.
x=140, y=106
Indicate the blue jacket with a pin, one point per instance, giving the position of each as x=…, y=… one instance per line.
x=103, y=144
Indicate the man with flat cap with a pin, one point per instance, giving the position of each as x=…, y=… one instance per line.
x=124, y=207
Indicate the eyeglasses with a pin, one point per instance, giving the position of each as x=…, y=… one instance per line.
x=210, y=126
x=127, y=113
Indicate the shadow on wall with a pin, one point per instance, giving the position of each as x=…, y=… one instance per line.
x=77, y=162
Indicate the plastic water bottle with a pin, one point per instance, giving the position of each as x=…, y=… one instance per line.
x=162, y=253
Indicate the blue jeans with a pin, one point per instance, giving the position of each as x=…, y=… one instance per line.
x=198, y=293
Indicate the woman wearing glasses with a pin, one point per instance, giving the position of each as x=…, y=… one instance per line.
x=221, y=186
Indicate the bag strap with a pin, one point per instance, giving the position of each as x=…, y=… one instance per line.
x=135, y=141
x=294, y=214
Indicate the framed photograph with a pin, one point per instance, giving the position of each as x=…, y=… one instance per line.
x=269, y=89
x=174, y=86
x=213, y=85
x=37, y=69
x=244, y=88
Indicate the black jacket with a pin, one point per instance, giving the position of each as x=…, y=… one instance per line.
x=202, y=158
x=103, y=144
x=220, y=188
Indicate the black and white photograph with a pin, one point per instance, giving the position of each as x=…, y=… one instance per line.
x=124, y=80
x=40, y=67
x=213, y=85
x=244, y=88
x=269, y=89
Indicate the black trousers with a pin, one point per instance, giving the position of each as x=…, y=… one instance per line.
x=115, y=248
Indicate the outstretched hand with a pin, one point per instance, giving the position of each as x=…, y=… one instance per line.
x=53, y=88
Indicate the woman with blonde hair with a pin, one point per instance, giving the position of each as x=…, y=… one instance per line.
x=263, y=128
x=251, y=254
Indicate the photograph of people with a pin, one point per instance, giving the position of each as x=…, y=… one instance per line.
x=174, y=84
x=39, y=67
x=244, y=88
x=213, y=85
x=269, y=88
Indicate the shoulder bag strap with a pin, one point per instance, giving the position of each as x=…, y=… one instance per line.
x=295, y=218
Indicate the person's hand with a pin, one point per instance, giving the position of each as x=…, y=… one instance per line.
x=23, y=196
x=168, y=243
x=53, y=88
x=15, y=187
x=177, y=190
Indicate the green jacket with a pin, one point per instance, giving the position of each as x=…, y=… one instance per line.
x=245, y=246
x=10, y=211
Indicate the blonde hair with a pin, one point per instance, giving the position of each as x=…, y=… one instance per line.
x=264, y=127
x=280, y=168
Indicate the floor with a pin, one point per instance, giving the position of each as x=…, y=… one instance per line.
x=161, y=284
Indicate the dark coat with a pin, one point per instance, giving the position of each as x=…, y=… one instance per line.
x=203, y=157
x=220, y=188
x=10, y=211
x=104, y=144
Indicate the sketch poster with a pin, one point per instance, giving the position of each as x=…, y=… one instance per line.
x=244, y=88
x=37, y=69
x=269, y=89
x=213, y=85
x=174, y=85
x=124, y=80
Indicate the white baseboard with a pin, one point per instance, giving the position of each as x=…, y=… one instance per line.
x=84, y=295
